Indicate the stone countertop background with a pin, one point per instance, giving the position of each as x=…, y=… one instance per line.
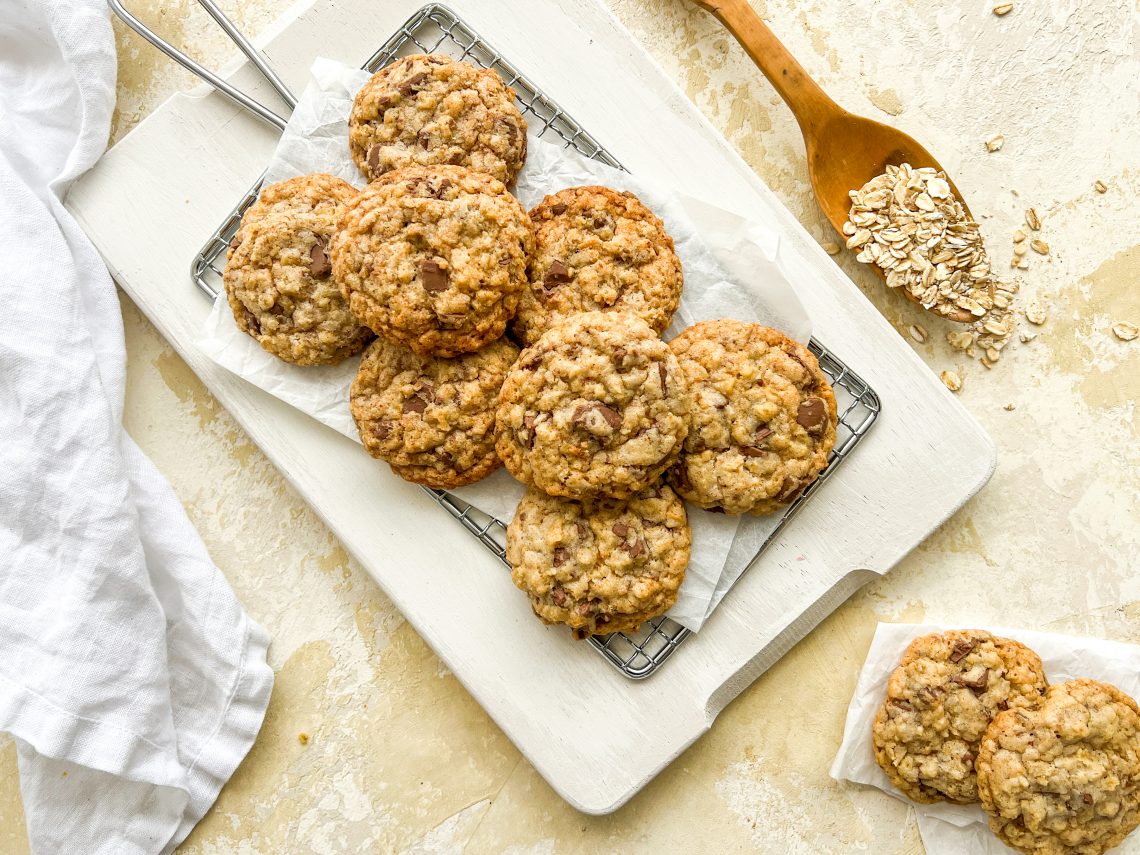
x=370, y=745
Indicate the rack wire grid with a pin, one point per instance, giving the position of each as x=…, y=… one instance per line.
x=435, y=28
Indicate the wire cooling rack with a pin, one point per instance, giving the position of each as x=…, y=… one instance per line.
x=435, y=28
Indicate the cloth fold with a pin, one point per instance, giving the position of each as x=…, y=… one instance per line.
x=129, y=664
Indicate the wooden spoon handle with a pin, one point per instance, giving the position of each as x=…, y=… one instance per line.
x=808, y=102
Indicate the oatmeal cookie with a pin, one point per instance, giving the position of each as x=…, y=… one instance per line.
x=430, y=109
x=431, y=419
x=763, y=417
x=1064, y=778
x=280, y=289
x=940, y=700
x=434, y=258
x=596, y=407
x=597, y=248
x=600, y=567
x=318, y=193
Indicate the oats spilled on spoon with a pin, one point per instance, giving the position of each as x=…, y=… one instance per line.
x=909, y=223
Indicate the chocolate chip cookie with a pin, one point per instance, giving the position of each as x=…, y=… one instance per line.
x=940, y=700
x=600, y=567
x=1064, y=778
x=318, y=193
x=763, y=417
x=431, y=419
x=278, y=279
x=430, y=109
x=598, y=249
x=596, y=407
x=434, y=258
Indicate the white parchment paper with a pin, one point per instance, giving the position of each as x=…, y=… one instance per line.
x=948, y=829
x=732, y=267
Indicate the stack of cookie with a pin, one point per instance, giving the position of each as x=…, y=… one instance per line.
x=609, y=426
x=969, y=717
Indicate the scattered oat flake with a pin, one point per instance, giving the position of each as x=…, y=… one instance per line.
x=1032, y=219
x=1125, y=331
x=1003, y=9
x=1035, y=313
x=1009, y=408
x=303, y=738
x=1100, y=187
x=1018, y=236
x=1026, y=336
x=1040, y=247
x=995, y=143
x=951, y=380
x=917, y=332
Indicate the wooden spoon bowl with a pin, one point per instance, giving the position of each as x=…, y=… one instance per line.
x=844, y=151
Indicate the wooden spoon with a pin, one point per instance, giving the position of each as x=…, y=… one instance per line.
x=844, y=151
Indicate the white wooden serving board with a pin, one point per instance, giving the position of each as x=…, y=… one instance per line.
x=595, y=736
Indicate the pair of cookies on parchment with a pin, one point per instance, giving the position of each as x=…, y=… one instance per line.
x=969, y=717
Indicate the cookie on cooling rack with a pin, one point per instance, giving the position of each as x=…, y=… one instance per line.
x=431, y=419
x=278, y=279
x=600, y=567
x=597, y=407
x=434, y=258
x=940, y=700
x=763, y=417
x=318, y=193
x=1064, y=777
x=598, y=249
x=430, y=109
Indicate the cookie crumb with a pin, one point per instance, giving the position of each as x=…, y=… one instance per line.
x=830, y=247
x=995, y=143
x=303, y=738
x=1125, y=331
x=1009, y=408
x=1035, y=313
x=1025, y=337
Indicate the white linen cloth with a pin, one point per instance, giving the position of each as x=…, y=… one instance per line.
x=130, y=678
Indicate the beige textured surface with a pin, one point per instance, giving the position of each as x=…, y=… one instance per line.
x=398, y=752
